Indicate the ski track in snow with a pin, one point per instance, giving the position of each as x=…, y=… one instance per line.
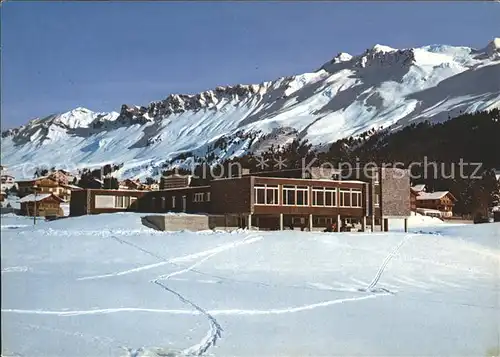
x=215, y=331
x=164, y=261
x=386, y=261
x=21, y=269
x=247, y=240
x=228, y=312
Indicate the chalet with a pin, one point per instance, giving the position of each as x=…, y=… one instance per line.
x=62, y=176
x=442, y=201
x=45, y=205
x=8, y=182
x=43, y=184
x=68, y=190
x=268, y=201
x=8, y=179
x=154, y=187
x=130, y=184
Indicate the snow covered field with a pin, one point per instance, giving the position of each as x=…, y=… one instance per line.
x=97, y=285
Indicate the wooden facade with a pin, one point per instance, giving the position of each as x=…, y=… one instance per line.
x=61, y=176
x=442, y=201
x=129, y=184
x=44, y=185
x=43, y=205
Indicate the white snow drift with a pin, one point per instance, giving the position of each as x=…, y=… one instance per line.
x=107, y=286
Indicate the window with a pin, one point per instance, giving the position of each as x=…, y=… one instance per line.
x=260, y=195
x=173, y=201
x=323, y=196
x=132, y=200
x=351, y=198
x=163, y=203
x=345, y=198
x=103, y=201
x=266, y=195
x=295, y=196
x=318, y=196
x=302, y=197
x=208, y=197
x=289, y=195
x=122, y=201
x=198, y=197
x=377, y=199
x=298, y=220
x=356, y=197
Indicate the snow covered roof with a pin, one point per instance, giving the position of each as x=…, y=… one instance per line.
x=418, y=188
x=74, y=187
x=32, y=198
x=432, y=195
x=497, y=174
x=40, y=197
x=428, y=210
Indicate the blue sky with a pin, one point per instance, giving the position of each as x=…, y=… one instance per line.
x=60, y=55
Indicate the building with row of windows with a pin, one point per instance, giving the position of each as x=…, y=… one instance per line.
x=268, y=200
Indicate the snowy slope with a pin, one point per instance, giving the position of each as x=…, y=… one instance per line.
x=383, y=87
x=88, y=286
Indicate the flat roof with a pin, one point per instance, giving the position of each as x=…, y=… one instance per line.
x=291, y=178
x=166, y=189
x=309, y=179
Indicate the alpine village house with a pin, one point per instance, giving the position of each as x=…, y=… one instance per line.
x=437, y=204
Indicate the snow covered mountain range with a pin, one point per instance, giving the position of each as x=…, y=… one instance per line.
x=349, y=95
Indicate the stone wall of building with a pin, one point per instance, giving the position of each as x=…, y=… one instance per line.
x=395, y=192
x=191, y=222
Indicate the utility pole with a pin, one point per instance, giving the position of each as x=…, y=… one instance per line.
x=35, y=188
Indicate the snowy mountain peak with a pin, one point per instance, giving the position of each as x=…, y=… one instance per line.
x=493, y=48
x=382, y=48
x=342, y=57
x=79, y=117
x=348, y=96
x=384, y=56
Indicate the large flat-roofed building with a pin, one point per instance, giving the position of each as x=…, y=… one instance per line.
x=268, y=201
